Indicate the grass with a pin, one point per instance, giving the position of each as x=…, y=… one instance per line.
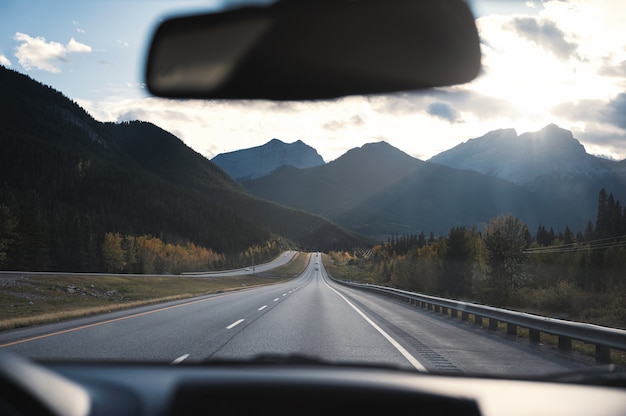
x=39, y=299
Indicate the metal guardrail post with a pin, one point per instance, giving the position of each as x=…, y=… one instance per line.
x=534, y=336
x=603, y=354
x=511, y=329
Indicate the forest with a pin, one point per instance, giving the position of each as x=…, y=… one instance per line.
x=570, y=275
x=37, y=237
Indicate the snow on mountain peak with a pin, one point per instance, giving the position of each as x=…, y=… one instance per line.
x=525, y=158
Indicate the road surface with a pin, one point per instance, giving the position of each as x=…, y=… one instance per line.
x=309, y=315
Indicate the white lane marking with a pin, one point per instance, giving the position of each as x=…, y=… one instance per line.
x=234, y=324
x=276, y=300
x=262, y=307
x=284, y=294
x=180, y=359
x=414, y=362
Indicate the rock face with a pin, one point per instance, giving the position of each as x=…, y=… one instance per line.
x=524, y=159
x=255, y=162
x=550, y=162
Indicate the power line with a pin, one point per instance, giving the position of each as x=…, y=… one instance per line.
x=602, y=243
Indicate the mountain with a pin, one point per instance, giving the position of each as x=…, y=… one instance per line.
x=436, y=198
x=336, y=187
x=379, y=190
x=67, y=179
x=252, y=163
x=525, y=159
x=549, y=162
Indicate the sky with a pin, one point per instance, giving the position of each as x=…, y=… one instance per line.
x=556, y=61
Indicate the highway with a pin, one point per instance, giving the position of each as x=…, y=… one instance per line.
x=281, y=260
x=309, y=315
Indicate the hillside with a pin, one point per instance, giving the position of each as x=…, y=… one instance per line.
x=66, y=179
x=436, y=198
x=333, y=189
x=379, y=190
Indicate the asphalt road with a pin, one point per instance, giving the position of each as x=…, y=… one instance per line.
x=281, y=260
x=309, y=315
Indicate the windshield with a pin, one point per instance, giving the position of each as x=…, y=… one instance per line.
x=470, y=229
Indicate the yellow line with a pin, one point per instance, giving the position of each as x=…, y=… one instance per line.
x=65, y=331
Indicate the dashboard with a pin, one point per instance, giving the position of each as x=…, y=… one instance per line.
x=107, y=388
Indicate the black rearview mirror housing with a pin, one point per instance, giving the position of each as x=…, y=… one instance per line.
x=310, y=50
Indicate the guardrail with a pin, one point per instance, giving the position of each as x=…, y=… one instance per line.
x=604, y=338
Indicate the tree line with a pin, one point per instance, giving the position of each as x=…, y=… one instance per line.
x=150, y=255
x=578, y=274
x=40, y=235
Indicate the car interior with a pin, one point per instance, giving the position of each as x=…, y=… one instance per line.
x=300, y=50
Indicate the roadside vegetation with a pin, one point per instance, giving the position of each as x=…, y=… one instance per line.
x=37, y=299
x=580, y=276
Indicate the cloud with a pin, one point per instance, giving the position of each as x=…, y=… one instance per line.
x=336, y=125
x=444, y=111
x=445, y=103
x=38, y=53
x=612, y=112
x=583, y=110
x=76, y=25
x=617, y=70
x=4, y=61
x=601, y=142
x=615, y=111
x=598, y=124
x=545, y=33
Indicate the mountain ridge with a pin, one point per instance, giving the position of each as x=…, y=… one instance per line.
x=525, y=158
x=378, y=190
x=254, y=162
x=333, y=188
x=549, y=162
x=542, y=172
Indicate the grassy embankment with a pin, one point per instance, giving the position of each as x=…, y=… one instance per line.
x=38, y=299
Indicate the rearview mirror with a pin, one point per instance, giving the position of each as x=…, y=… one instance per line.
x=308, y=50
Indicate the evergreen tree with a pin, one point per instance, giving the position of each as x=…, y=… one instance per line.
x=456, y=278
x=603, y=214
x=8, y=234
x=568, y=236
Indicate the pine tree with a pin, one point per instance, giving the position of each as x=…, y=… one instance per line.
x=602, y=216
